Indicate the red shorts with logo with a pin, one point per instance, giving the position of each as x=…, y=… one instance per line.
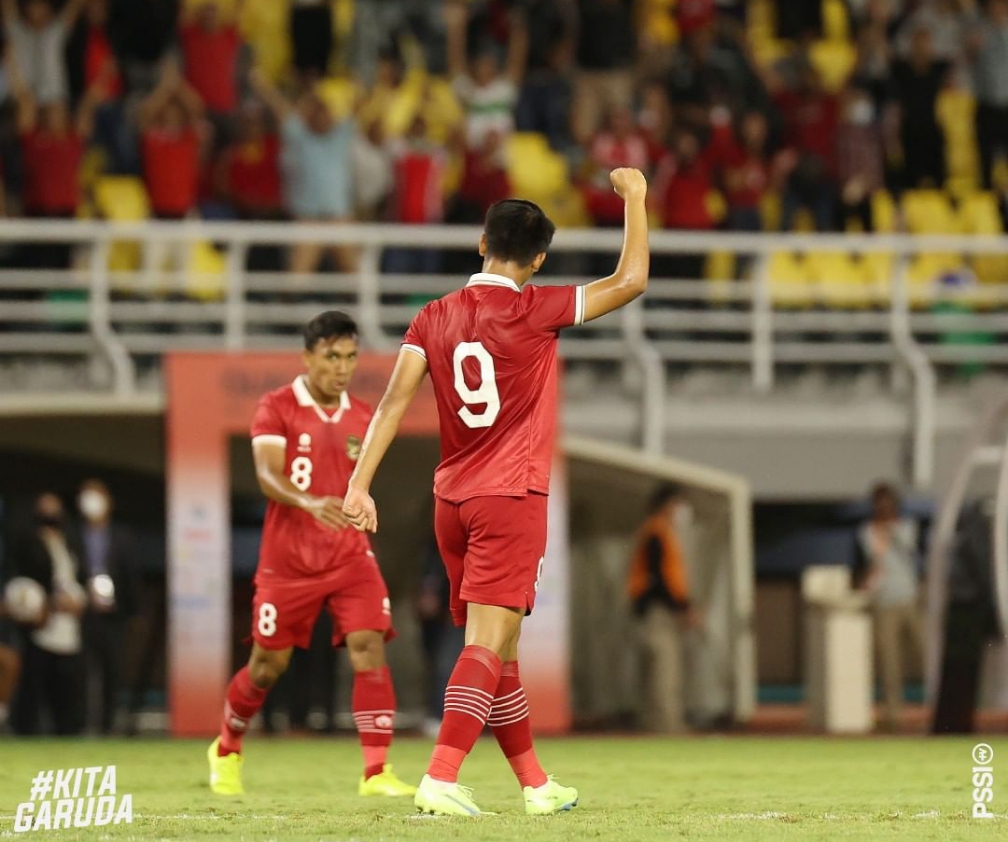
x=492, y=548
x=284, y=611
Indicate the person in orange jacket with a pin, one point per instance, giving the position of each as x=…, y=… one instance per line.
x=660, y=597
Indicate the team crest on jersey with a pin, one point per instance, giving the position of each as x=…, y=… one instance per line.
x=353, y=445
x=304, y=443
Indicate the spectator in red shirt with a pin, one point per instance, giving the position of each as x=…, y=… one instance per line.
x=210, y=47
x=682, y=188
x=52, y=144
x=248, y=172
x=746, y=174
x=484, y=180
x=810, y=129
x=654, y=119
x=418, y=198
x=619, y=144
x=171, y=145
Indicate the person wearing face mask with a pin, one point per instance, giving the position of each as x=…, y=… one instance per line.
x=109, y=564
x=660, y=597
x=860, y=161
x=53, y=673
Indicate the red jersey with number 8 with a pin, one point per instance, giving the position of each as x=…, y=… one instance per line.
x=491, y=350
x=322, y=448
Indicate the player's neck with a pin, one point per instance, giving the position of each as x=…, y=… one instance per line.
x=324, y=401
x=507, y=269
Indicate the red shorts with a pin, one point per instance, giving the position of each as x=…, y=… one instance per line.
x=284, y=611
x=492, y=548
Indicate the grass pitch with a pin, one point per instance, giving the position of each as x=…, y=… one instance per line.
x=632, y=790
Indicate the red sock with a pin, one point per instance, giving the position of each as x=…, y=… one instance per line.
x=509, y=721
x=468, y=698
x=243, y=702
x=374, y=713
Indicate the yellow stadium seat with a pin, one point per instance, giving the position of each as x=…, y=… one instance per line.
x=836, y=26
x=929, y=212
x=840, y=281
x=122, y=198
x=535, y=171
x=877, y=268
x=760, y=21
x=790, y=285
x=955, y=111
x=883, y=211
x=205, y=272
x=923, y=276
x=835, y=62
x=264, y=26
x=979, y=214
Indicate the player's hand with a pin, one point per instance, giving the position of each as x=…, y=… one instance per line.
x=629, y=183
x=327, y=510
x=360, y=510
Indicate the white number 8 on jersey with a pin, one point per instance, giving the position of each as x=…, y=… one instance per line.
x=487, y=391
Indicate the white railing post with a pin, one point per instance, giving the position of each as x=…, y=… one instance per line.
x=99, y=313
x=652, y=398
x=911, y=358
x=234, y=326
x=370, y=297
x=632, y=325
x=762, y=327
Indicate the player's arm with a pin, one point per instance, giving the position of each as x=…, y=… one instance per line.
x=409, y=372
x=631, y=276
x=270, y=459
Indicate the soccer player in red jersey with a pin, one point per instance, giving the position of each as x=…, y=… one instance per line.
x=305, y=439
x=491, y=351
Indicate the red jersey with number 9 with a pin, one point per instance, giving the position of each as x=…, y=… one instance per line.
x=491, y=349
x=321, y=450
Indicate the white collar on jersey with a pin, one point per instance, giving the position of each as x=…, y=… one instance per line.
x=490, y=279
x=304, y=398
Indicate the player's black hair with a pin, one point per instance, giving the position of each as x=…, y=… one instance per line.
x=517, y=231
x=332, y=324
x=663, y=494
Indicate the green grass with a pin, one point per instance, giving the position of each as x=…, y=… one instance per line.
x=632, y=790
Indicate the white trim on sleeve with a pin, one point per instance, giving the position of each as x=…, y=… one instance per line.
x=270, y=439
x=416, y=349
x=579, y=304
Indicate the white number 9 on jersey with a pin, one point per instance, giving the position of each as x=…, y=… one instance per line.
x=487, y=391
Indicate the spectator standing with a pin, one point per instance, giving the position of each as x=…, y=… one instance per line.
x=95, y=68
x=110, y=563
x=487, y=92
x=171, y=144
x=810, y=129
x=210, y=49
x=544, y=103
x=746, y=173
x=248, y=171
x=917, y=81
x=311, y=31
x=38, y=40
x=617, y=144
x=887, y=550
x=484, y=181
x=53, y=679
x=860, y=158
x=658, y=591
x=315, y=157
x=990, y=66
x=606, y=51
x=420, y=167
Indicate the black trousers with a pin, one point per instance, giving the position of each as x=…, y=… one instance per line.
x=311, y=30
x=53, y=684
x=968, y=627
x=992, y=135
x=103, y=642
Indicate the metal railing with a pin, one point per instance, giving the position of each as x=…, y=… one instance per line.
x=165, y=299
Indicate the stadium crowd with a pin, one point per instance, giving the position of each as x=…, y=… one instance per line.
x=748, y=115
